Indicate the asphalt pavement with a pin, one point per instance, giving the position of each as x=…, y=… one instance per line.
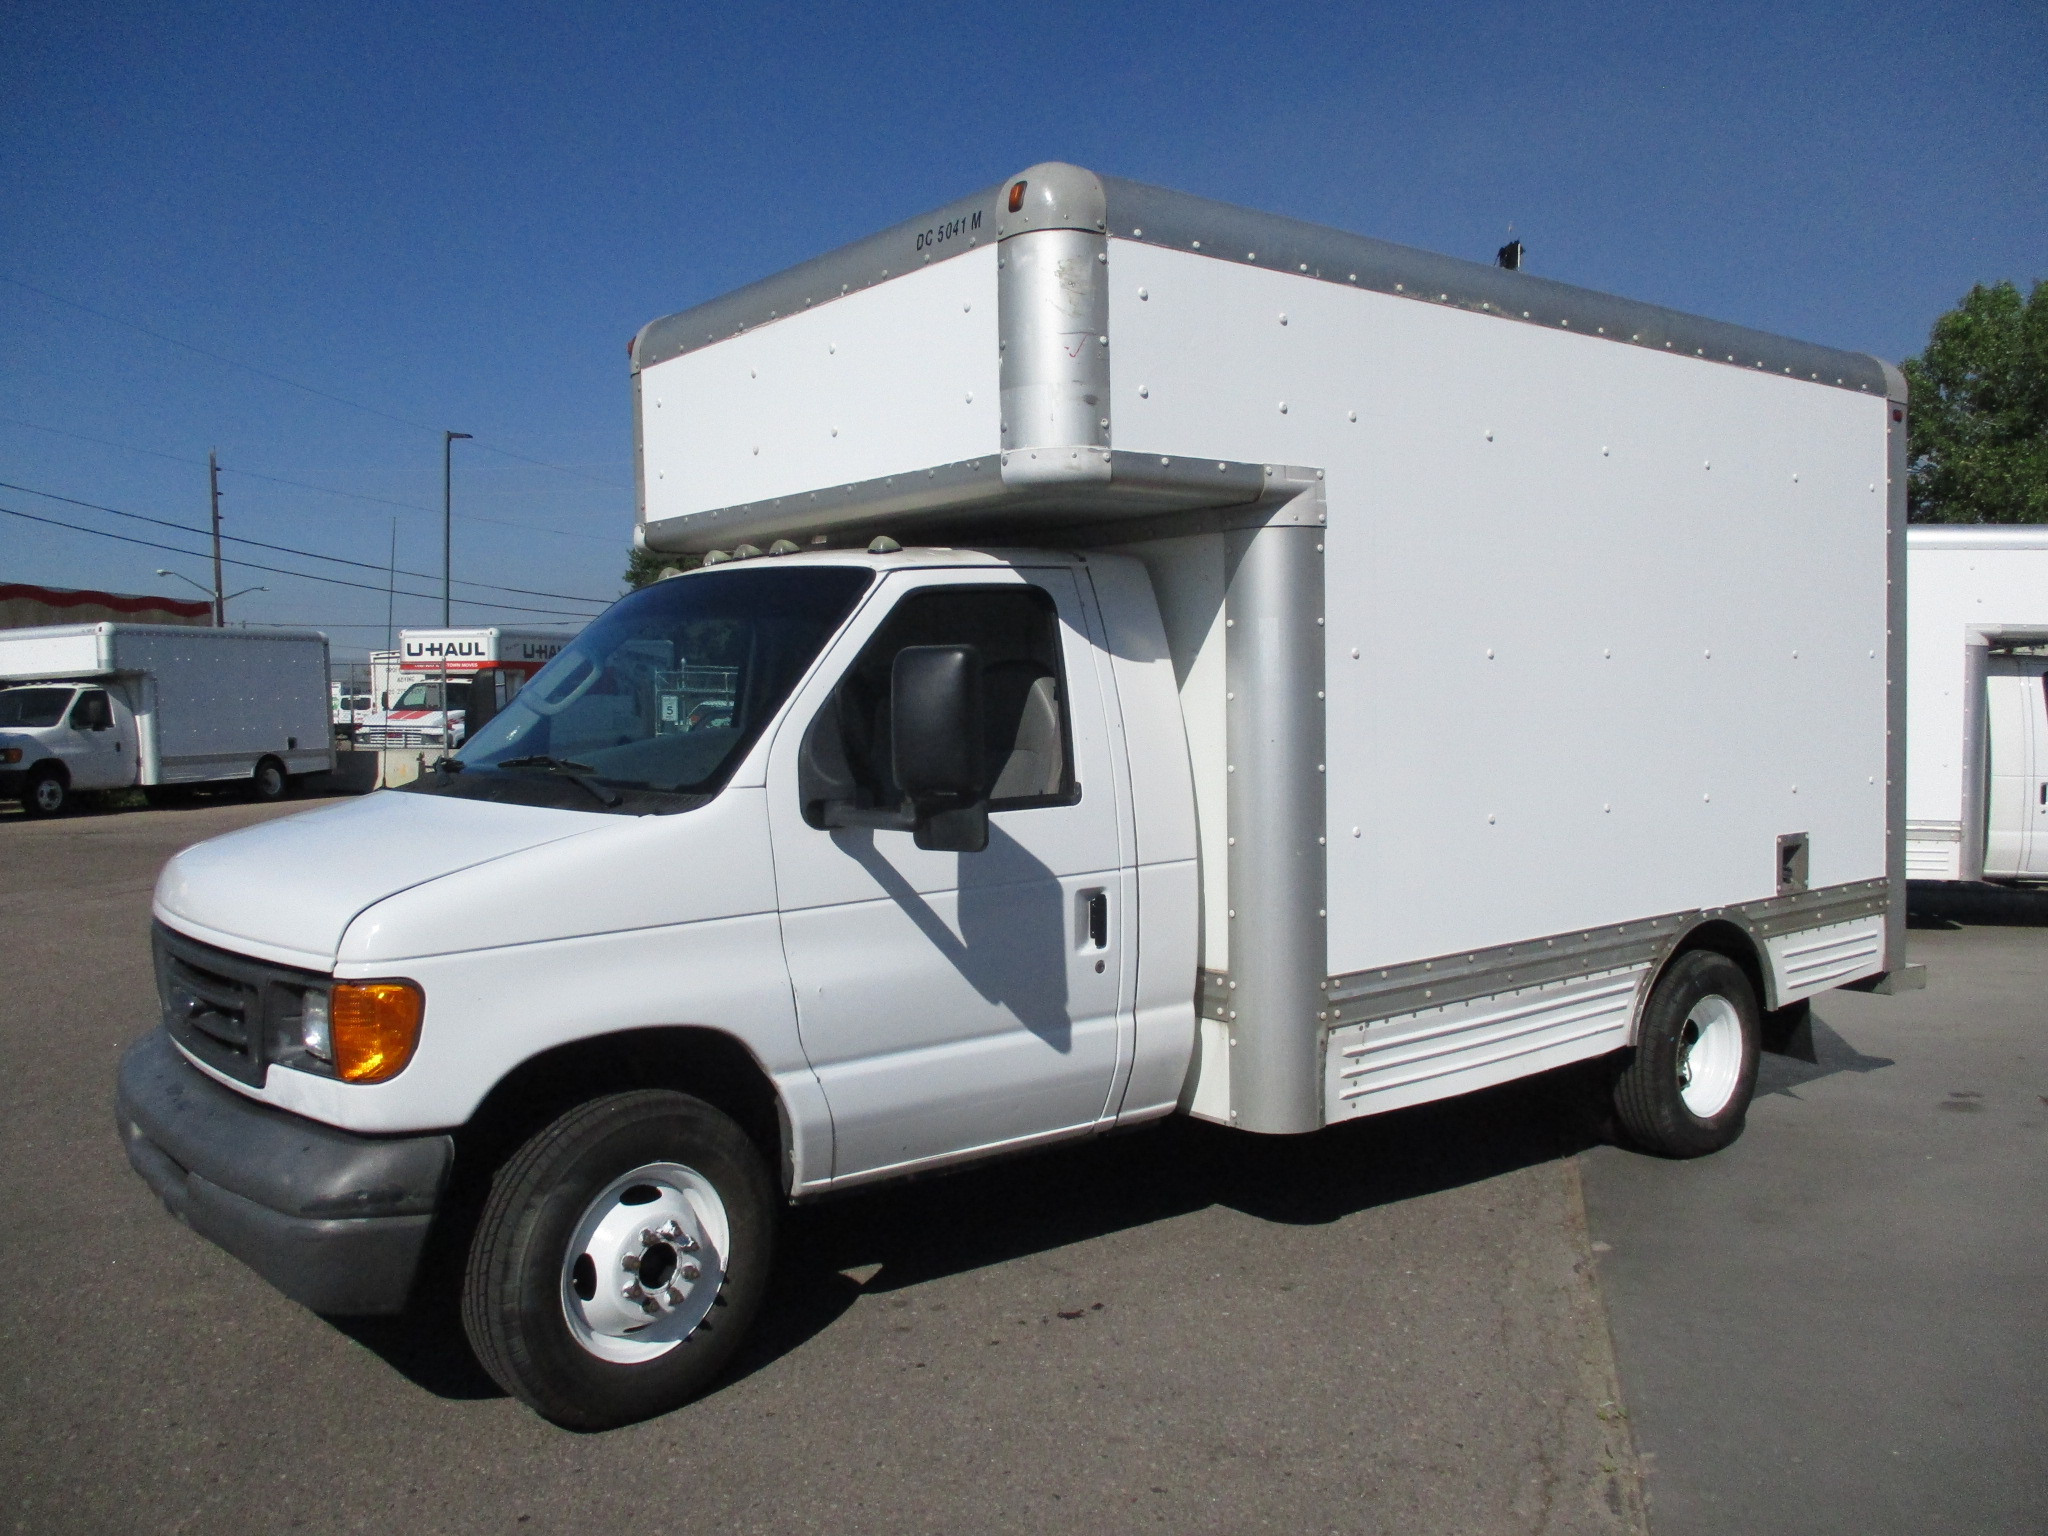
x=1400, y=1325
x=1840, y=1324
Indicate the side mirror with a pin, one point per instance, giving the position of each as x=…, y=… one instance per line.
x=937, y=751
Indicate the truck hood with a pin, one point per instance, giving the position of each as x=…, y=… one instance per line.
x=287, y=890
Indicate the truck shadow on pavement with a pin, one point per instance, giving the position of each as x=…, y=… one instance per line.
x=1951, y=905
x=991, y=1213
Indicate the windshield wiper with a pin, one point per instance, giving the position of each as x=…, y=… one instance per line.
x=576, y=773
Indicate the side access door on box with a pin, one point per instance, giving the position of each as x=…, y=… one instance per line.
x=2016, y=821
x=956, y=1001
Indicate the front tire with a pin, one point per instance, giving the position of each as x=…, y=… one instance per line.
x=621, y=1257
x=47, y=793
x=1686, y=1088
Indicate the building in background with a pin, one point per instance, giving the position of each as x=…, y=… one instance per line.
x=23, y=606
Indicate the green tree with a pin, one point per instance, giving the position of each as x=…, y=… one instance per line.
x=1978, y=433
x=643, y=567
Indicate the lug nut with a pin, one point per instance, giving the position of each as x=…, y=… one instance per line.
x=688, y=1271
x=630, y=1263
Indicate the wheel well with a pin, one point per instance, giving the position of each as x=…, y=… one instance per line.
x=705, y=1062
x=1726, y=938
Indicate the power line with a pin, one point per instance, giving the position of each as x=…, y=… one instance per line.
x=287, y=549
x=303, y=485
x=251, y=565
x=278, y=378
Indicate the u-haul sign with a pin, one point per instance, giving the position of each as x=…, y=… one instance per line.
x=474, y=650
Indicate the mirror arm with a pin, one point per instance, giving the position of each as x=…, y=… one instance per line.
x=839, y=814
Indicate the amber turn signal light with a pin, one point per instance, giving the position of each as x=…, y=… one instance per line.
x=375, y=1028
x=1017, y=196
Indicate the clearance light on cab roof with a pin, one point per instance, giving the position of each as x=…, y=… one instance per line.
x=1017, y=196
x=374, y=1027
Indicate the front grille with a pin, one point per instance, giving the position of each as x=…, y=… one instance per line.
x=235, y=1014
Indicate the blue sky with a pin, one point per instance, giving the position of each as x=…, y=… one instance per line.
x=456, y=215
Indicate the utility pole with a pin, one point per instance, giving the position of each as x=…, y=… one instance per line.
x=447, y=523
x=220, y=603
x=391, y=584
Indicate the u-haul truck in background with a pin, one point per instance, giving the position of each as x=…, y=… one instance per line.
x=1150, y=657
x=450, y=681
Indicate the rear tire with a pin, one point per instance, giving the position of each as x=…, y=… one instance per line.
x=47, y=793
x=587, y=1310
x=269, y=781
x=1685, y=1089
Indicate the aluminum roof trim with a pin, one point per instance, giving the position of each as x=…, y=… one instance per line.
x=1065, y=197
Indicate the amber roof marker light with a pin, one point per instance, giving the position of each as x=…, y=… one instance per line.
x=1017, y=195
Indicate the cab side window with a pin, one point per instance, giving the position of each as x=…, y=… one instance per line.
x=92, y=712
x=1015, y=629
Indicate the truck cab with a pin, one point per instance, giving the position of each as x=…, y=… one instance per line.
x=60, y=738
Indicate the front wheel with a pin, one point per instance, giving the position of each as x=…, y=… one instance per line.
x=48, y=793
x=1686, y=1088
x=620, y=1258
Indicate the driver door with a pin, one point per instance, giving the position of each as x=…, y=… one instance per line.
x=948, y=1001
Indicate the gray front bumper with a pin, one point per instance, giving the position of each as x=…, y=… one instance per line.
x=334, y=1220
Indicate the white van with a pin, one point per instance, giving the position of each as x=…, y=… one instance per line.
x=1149, y=658
x=165, y=707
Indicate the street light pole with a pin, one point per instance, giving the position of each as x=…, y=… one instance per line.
x=220, y=603
x=447, y=525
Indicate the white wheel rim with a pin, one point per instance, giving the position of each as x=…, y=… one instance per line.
x=1709, y=1056
x=49, y=794
x=645, y=1263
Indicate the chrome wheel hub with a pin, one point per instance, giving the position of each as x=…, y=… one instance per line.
x=645, y=1263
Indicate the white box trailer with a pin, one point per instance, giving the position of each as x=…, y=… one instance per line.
x=115, y=706
x=1169, y=659
x=1977, y=732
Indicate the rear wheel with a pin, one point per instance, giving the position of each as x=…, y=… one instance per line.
x=1685, y=1090
x=269, y=781
x=621, y=1256
x=48, y=792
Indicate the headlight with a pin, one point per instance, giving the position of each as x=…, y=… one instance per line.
x=314, y=1030
x=374, y=1027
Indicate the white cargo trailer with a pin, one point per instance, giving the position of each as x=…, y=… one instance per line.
x=1977, y=724
x=1168, y=658
x=160, y=706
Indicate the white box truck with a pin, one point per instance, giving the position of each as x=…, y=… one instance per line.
x=161, y=706
x=1175, y=660
x=1977, y=731
x=478, y=670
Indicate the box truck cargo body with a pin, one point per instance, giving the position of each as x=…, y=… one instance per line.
x=1977, y=734
x=114, y=706
x=1171, y=659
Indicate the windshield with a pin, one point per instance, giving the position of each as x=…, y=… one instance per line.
x=662, y=695
x=428, y=696
x=33, y=706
